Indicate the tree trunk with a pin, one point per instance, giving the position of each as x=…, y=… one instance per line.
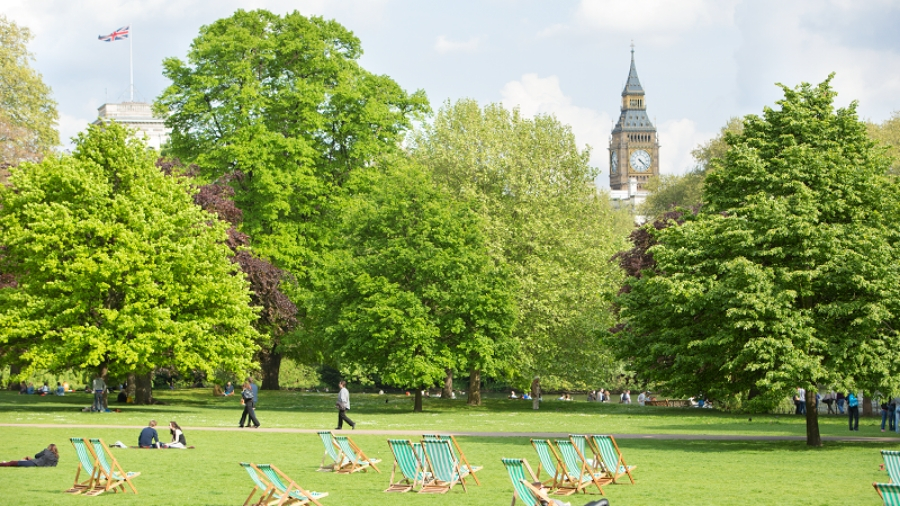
x=143, y=388
x=447, y=392
x=417, y=403
x=813, y=437
x=129, y=390
x=13, y=370
x=270, y=363
x=474, y=397
x=866, y=404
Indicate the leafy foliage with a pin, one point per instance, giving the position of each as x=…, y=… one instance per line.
x=888, y=133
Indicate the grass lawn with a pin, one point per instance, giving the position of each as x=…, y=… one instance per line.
x=669, y=471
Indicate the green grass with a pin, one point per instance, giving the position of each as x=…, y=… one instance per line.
x=669, y=471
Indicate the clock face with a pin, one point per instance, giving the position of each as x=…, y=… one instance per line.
x=640, y=160
x=613, y=163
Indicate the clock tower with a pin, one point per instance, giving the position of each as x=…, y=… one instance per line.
x=633, y=146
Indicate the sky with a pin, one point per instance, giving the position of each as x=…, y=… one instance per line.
x=700, y=61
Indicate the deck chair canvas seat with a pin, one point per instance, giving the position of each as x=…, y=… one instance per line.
x=357, y=460
x=459, y=455
x=331, y=452
x=110, y=474
x=549, y=462
x=526, y=487
x=287, y=491
x=577, y=474
x=586, y=448
x=87, y=463
x=892, y=464
x=264, y=488
x=411, y=465
x=445, y=470
x=889, y=492
x=613, y=462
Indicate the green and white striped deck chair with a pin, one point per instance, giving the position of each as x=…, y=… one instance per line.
x=111, y=474
x=460, y=456
x=577, y=475
x=550, y=462
x=613, y=461
x=357, y=460
x=523, y=484
x=583, y=444
x=889, y=492
x=445, y=469
x=411, y=466
x=265, y=488
x=286, y=490
x=87, y=462
x=892, y=464
x=331, y=452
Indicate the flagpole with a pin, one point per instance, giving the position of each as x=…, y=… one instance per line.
x=131, y=58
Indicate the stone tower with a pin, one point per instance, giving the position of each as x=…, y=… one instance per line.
x=633, y=146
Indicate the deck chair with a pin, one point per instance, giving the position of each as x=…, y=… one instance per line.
x=613, y=462
x=445, y=469
x=582, y=442
x=286, y=490
x=525, y=485
x=110, y=473
x=87, y=462
x=549, y=462
x=410, y=464
x=577, y=474
x=331, y=452
x=356, y=459
x=889, y=492
x=459, y=454
x=265, y=488
x=892, y=464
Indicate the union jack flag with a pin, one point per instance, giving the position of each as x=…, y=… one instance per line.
x=121, y=33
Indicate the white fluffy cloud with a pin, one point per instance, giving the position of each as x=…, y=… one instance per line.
x=662, y=16
x=676, y=140
x=444, y=45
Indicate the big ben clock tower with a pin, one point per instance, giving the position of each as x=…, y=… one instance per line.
x=633, y=147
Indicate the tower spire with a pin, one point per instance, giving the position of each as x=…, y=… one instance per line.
x=633, y=84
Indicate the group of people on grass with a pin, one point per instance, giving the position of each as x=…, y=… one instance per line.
x=149, y=438
x=45, y=389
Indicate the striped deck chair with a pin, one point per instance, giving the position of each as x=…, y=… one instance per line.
x=582, y=442
x=577, y=475
x=357, y=460
x=892, y=464
x=459, y=454
x=889, y=492
x=550, y=462
x=445, y=469
x=286, y=490
x=525, y=486
x=265, y=488
x=412, y=468
x=87, y=462
x=613, y=462
x=331, y=452
x=111, y=474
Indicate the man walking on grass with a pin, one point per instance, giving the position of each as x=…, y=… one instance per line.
x=343, y=404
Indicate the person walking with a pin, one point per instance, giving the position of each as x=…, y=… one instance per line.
x=255, y=389
x=853, y=410
x=247, y=401
x=343, y=404
x=99, y=386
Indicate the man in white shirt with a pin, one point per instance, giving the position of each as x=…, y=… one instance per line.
x=343, y=404
x=801, y=401
x=642, y=399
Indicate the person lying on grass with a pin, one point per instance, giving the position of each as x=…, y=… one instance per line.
x=48, y=457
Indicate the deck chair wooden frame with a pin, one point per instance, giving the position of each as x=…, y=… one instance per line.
x=578, y=475
x=459, y=454
x=262, y=485
x=445, y=468
x=613, y=462
x=526, y=487
x=110, y=473
x=549, y=461
x=331, y=451
x=87, y=462
x=892, y=464
x=412, y=469
x=287, y=491
x=889, y=492
x=357, y=460
x=585, y=446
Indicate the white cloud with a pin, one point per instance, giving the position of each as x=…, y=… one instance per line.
x=676, y=140
x=444, y=45
x=69, y=126
x=665, y=15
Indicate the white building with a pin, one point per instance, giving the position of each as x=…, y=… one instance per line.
x=630, y=199
x=137, y=115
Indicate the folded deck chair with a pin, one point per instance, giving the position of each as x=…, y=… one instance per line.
x=550, y=462
x=892, y=464
x=262, y=485
x=110, y=473
x=613, y=461
x=459, y=454
x=87, y=462
x=526, y=488
x=331, y=452
x=889, y=492
x=445, y=469
x=357, y=460
x=411, y=466
x=577, y=474
x=286, y=490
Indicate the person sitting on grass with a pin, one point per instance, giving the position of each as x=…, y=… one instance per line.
x=149, y=438
x=229, y=389
x=178, y=440
x=512, y=394
x=59, y=389
x=48, y=457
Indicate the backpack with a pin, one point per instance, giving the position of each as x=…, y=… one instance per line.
x=247, y=395
x=852, y=401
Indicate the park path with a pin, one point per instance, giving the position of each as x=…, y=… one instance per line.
x=539, y=435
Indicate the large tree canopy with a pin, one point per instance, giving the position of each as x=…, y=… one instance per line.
x=789, y=274
x=116, y=267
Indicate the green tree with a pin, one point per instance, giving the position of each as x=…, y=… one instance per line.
x=788, y=276
x=116, y=269
x=27, y=113
x=280, y=108
x=415, y=291
x=544, y=219
x=888, y=133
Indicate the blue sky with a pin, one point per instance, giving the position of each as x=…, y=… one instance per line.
x=700, y=61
